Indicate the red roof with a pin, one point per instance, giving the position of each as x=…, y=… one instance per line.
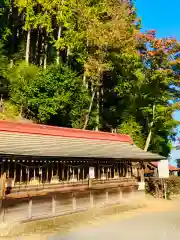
x=38, y=129
x=171, y=168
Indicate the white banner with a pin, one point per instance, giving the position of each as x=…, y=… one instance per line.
x=163, y=169
x=91, y=172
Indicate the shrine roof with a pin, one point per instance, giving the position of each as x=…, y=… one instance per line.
x=40, y=129
x=48, y=141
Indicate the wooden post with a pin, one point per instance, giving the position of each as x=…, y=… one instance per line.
x=103, y=174
x=142, y=172
x=30, y=208
x=2, y=210
x=120, y=195
x=89, y=182
x=8, y=170
x=14, y=172
x=27, y=174
x=67, y=174
x=78, y=174
x=73, y=174
x=53, y=205
x=62, y=172
x=99, y=173
x=2, y=185
x=107, y=197
x=73, y=202
x=57, y=173
x=110, y=173
x=83, y=175
x=20, y=174
x=34, y=173
x=52, y=172
x=1, y=169
x=91, y=200
x=47, y=175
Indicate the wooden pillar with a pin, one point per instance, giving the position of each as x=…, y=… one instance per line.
x=34, y=173
x=117, y=165
x=107, y=169
x=27, y=174
x=99, y=172
x=103, y=173
x=142, y=171
x=8, y=167
x=127, y=170
x=52, y=172
x=2, y=168
x=89, y=182
x=30, y=208
x=91, y=197
x=2, y=185
x=78, y=173
x=14, y=173
x=83, y=175
x=107, y=197
x=120, y=195
x=47, y=174
x=57, y=173
x=73, y=174
x=73, y=202
x=53, y=204
x=67, y=174
x=20, y=173
x=62, y=172
x=2, y=211
x=40, y=172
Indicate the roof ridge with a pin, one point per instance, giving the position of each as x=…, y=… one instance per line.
x=40, y=129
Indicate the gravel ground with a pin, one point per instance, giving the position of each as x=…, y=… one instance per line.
x=147, y=225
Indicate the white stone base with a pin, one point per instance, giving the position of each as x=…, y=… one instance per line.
x=141, y=186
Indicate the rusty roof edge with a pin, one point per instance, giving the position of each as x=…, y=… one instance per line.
x=39, y=129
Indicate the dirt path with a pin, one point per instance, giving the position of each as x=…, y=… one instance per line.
x=158, y=220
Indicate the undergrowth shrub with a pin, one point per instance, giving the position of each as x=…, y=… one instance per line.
x=157, y=186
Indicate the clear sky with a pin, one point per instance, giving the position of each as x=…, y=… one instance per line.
x=164, y=17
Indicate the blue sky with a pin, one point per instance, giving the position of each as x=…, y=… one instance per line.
x=164, y=17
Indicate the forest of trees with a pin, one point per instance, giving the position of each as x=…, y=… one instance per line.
x=86, y=64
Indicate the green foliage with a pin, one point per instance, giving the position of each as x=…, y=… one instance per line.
x=10, y=112
x=131, y=127
x=79, y=49
x=156, y=188
x=21, y=77
x=54, y=95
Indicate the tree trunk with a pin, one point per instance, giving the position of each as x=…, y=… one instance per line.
x=68, y=54
x=28, y=45
x=58, y=53
x=85, y=83
x=45, y=51
x=37, y=48
x=89, y=110
x=148, y=140
x=11, y=63
x=98, y=109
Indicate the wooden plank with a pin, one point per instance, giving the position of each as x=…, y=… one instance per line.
x=2, y=185
x=69, y=189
